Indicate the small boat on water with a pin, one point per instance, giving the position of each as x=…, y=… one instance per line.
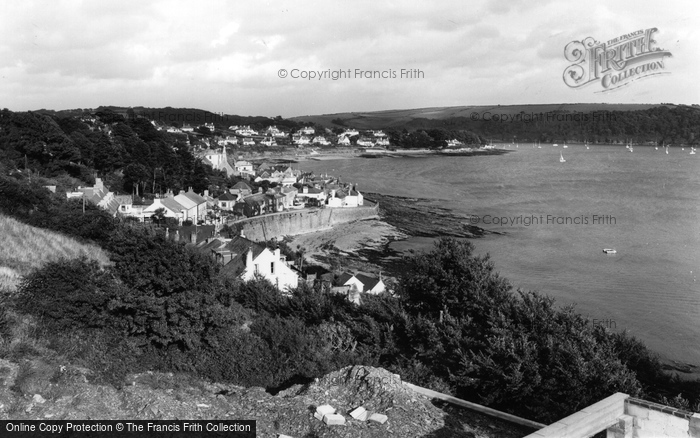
x=561, y=158
x=631, y=149
x=609, y=251
x=692, y=151
x=555, y=145
x=565, y=146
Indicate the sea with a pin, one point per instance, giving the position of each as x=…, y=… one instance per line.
x=557, y=217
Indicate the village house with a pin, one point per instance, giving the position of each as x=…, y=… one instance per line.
x=308, y=130
x=382, y=142
x=248, y=142
x=247, y=260
x=320, y=140
x=254, y=205
x=290, y=194
x=174, y=130
x=230, y=140
x=364, y=141
x=453, y=143
x=344, y=197
x=307, y=194
x=363, y=283
x=244, y=168
x=241, y=189
x=269, y=141
x=187, y=128
x=343, y=141
x=379, y=133
x=226, y=201
x=210, y=126
x=350, y=132
x=301, y=140
x=98, y=195
x=171, y=208
x=246, y=131
x=195, y=206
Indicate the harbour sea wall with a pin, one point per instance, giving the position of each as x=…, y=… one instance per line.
x=290, y=223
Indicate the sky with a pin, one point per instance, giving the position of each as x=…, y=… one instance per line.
x=229, y=56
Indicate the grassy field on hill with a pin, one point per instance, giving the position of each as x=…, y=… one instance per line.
x=25, y=248
x=402, y=118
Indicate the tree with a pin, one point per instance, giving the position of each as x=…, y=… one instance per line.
x=158, y=216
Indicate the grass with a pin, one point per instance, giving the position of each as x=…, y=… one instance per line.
x=25, y=248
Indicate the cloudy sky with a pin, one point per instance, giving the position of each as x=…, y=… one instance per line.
x=226, y=56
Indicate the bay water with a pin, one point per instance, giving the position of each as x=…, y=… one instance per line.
x=559, y=216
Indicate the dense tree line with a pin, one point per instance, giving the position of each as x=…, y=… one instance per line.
x=658, y=125
x=130, y=154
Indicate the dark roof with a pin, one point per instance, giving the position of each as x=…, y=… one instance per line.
x=203, y=232
x=367, y=281
x=344, y=277
x=242, y=185
x=171, y=204
x=257, y=199
x=227, y=197
x=240, y=246
x=195, y=197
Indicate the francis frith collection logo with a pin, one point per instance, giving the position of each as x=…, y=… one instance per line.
x=616, y=62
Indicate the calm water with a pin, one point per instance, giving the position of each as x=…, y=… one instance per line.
x=652, y=200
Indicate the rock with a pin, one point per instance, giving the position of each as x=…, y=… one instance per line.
x=360, y=414
x=325, y=409
x=378, y=418
x=334, y=419
x=38, y=399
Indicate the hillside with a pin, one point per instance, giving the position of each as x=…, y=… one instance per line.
x=25, y=248
x=405, y=118
x=37, y=390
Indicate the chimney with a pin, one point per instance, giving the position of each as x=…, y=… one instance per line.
x=206, y=193
x=249, y=259
x=176, y=238
x=242, y=235
x=306, y=189
x=277, y=254
x=182, y=192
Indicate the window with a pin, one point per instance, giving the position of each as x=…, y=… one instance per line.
x=256, y=269
x=272, y=267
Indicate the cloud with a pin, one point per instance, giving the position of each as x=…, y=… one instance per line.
x=225, y=55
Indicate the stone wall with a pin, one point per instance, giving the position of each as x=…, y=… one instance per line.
x=290, y=223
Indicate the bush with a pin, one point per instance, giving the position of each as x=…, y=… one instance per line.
x=69, y=293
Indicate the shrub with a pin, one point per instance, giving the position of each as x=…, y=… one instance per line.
x=69, y=293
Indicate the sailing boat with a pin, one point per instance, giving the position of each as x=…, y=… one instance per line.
x=692, y=151
x=561, y=158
